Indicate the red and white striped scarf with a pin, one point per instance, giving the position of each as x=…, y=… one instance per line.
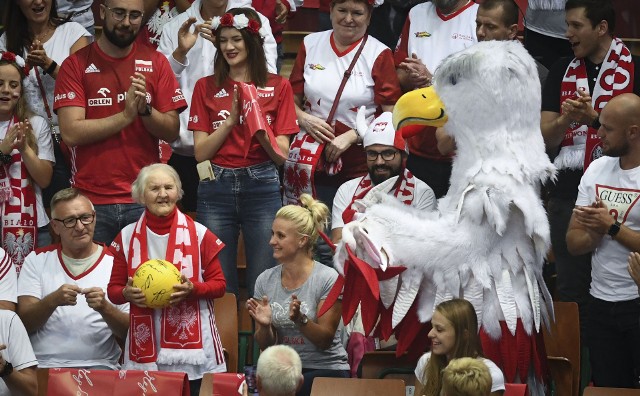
x=19, y=211
x=581, y=144
x=181, y=331
x=404, y=190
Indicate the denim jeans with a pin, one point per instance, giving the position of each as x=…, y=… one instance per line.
x=323, y=252
x=111, y=219
x=614, y=343
x=244, y=199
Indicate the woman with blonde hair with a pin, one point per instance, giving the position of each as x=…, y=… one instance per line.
x=288, y=296
x=454, y=335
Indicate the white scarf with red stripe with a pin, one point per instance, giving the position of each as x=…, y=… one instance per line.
x=581, y=144
x=404, y=191
x=19, y=211
x=181, y=331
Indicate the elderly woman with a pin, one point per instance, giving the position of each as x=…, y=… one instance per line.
x=316, y=77
x=288, y=296
x=189, y=341
x=326, y=152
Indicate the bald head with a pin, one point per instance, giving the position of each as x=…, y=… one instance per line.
x=619, y=132
x=626, y=106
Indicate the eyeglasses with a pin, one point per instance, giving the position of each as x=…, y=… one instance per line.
x=71, y=222
x=135, y=17
x=386, y=155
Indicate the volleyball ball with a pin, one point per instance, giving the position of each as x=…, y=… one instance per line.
x=156, y=279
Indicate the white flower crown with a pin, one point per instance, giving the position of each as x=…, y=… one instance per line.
x=239, y=21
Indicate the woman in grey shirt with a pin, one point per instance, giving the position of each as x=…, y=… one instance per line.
x=288, y=296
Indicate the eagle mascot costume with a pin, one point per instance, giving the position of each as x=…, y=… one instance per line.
x=487, y=240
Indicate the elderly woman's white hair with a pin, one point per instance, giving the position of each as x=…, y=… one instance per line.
x=279, y=370
x=138, y=185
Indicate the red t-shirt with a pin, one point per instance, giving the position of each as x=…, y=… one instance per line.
x=98, y=83
x=211, y=104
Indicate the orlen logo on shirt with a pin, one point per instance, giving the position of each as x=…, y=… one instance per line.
x=103, y=101
x=178, y=95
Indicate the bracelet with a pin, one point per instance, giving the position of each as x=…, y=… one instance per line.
x=51, y=68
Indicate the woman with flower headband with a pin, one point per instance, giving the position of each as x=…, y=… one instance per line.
x=327, y=151
x=34, y=30
x=26, y=163
x=244, y=190
x=289, y=296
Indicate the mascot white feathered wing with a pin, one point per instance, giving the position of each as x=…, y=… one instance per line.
x=488, y=239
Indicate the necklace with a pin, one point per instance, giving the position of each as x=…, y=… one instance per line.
x=45, y=34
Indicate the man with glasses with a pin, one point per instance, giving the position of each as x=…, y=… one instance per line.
x=386, y=158
x=115, y=101
x=61, y=292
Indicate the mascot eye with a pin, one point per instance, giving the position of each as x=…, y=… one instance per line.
x=453, y=80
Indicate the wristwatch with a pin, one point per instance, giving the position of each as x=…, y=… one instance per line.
x=614, y=229
x=7, y=369
x=147, y=110
x=303, y=320
x=596, y=123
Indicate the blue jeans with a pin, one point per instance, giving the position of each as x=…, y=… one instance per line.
x=247, y=199
x=323, y=252
x=111, y=219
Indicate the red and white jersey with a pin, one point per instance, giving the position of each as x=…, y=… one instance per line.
x=318, y=70
x=74, y=335
x=8, y=278
x=433, y=36
x=211, y=105
x=98, y=83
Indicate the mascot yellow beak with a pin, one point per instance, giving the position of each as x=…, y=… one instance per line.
x=419, y=107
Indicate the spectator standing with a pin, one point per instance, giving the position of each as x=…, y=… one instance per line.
x=608, y=229
x=26, y=158
x=188, y=43
x=115, y=100
x=575, y=92
x=244, y=193
x=45, y=40
x=433, y=31
x=61, y=293
x=544, y=31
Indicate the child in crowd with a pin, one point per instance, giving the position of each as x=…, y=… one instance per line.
x=466, y=377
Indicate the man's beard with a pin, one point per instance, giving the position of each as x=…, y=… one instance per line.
x=377, y=179
x=617, y=152
x=120, y=42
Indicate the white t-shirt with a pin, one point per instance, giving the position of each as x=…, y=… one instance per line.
x=433, y=36
x=497, y=378
x=8, y=278
x=73, y=336
x=58, y=48
x=18, y=352
x=620, y=190
x=42, y=134
x=424, y=199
